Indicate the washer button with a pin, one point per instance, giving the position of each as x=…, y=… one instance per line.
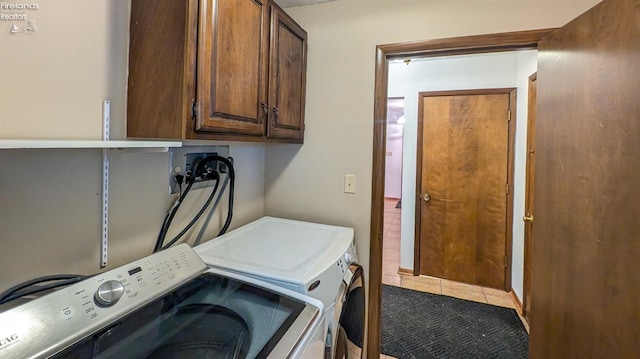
x=67, y=312
x=349, y=258
x=109, y=293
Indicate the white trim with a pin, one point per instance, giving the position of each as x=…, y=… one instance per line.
x=26, y=144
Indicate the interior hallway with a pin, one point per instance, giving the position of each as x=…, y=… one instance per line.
x=391, y=264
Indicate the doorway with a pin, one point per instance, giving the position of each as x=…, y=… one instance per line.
x=384, y=54
x=464, y=177
x=393, y=191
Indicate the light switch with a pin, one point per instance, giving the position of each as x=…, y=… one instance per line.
x=349, y=183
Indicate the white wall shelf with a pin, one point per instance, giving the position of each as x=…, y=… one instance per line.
x=51, y=144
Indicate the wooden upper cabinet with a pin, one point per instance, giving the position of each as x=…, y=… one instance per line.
x=287, y=78
x=161, y=67
x=215, y=69
x=232, y=66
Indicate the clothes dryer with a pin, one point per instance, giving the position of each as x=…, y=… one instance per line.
x=317, y=260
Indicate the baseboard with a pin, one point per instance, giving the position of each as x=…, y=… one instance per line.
x=517, y=302
x=405, y=271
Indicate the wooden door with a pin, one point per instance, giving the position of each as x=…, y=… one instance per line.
x=464, y=165
x=232, y=66
x=529, y=191
x=287, y=84
x=585, y=276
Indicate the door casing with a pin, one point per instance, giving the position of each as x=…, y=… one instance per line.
x=529, y=191
x=508, y=41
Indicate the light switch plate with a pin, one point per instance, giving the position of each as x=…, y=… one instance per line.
x=349, y=183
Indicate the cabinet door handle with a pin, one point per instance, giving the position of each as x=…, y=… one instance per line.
x=275, y=116
x=265, y=112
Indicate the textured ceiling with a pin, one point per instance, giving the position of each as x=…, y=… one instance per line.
x=290, y=3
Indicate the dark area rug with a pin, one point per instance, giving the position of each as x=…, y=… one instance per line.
x=423, y=325
x=399, y=204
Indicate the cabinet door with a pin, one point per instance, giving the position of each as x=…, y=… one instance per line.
x=232, y=66
x=287, y=77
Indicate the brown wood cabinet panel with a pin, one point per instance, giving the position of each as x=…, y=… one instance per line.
x=215, y=69
x=161, y=50
x=287, y=80
x=232, y=66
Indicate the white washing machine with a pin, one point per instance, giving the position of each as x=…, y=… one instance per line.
x=166, y=306
x=314, y=259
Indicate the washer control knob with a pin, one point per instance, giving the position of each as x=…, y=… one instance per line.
x=109, y=293
x=349, y=258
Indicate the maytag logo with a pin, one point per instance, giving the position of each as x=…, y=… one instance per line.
x=7, y=341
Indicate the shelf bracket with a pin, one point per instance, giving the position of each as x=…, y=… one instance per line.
x=104, y=220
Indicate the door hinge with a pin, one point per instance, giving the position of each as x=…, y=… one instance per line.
x=194, y=110
x=506, y=261
x=506, y=188
x=509, y=115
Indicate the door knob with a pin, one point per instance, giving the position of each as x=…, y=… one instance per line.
x=528, y=218
x=426, y=197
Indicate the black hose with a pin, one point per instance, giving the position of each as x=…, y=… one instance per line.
x=232, y=176
x=197, y=216
x=232, y=180
x=169, y=217
x=225, y=183
x=15, y=291
x=196, y=173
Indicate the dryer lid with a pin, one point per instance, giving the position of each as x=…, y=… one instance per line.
x=277, y=248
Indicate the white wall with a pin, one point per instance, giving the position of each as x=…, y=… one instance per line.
x=393, y=160
x=306, y=182
x=393, y=163
x=52, y=84
x=494, y=70
x=50, y=207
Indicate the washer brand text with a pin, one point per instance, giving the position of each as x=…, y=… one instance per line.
x=6, y=341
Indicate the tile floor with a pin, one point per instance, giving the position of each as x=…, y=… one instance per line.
x=391, y=264
x=391, y=243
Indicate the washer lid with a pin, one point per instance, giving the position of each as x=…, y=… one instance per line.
x=277, y=248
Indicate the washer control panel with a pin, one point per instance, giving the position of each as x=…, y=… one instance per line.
x=349, y=257
x=53, y=322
